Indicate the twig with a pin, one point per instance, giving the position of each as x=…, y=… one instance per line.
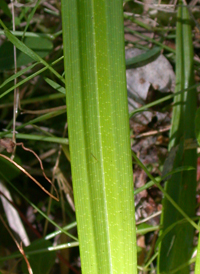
x=152, y=132
x=19, y=246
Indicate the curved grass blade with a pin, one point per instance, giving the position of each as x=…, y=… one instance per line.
x=143, y=59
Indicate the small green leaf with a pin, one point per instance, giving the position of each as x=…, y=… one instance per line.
x=40, y=263
x=5, y=8
x=131, y=6
x=8, y=169
x=40, y=46
x=28, y=51
x=55, y=85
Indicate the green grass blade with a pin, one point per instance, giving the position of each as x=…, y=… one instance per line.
x=143, y=59
x=55, y=85
x=59, y=140
x=58, y=232
x=21, y=46
x=176, y=247
x=99, y=135
x=18, y=74
x=33, y=34
x=146, y=38
x=39, y=251
x=29, y=78
x=159, y=101
x=34, y=121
